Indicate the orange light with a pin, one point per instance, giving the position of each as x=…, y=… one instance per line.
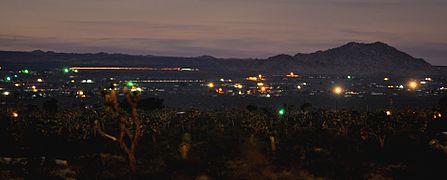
x=260, y=84
x=239, y=86
x=291, y=74
x=263, y=89
x=252, y=78
x=81, y=94
x=413, y=84
x=210, y=85
x=15, y=114
x=338, y=90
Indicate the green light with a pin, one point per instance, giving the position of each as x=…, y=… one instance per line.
x=130, y=84
x=281, y=112
x=66, y=70
x=25, y=71
x=8, y=78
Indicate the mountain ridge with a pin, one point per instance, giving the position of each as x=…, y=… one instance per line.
x=351, y=58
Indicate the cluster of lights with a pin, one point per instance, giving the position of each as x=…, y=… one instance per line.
x=238, y=86
x=292, y=75
x=24, y=71
x=136, y=89
x=220, y=91
x=437, y=115
x=256, y=78
x=88, y=81
x=81, y=94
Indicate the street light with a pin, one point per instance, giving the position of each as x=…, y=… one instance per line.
x=388, y=113
x=337, y=90
x=281, y=112
x=413, y=84
x=15, y=114
x=210, y=85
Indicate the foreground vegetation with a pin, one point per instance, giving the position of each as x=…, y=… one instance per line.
x=232, y=143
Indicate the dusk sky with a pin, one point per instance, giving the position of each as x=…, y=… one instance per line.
x=223, y=28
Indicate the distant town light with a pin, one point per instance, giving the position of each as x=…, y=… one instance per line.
x=220, y=91
x=39, y=80
x=15, y=114
x=80, y=93
x=299, y=87
x=6, y=93
x=66, y=70
x=291, y=74
x=252, y=78
x=349, y=77
x=412, y=84
x=281, y=112
x=263, y=89
x=136, y=89
x=386, y=79
x=238, y=86
x=210, y=85
x=388, y=113
x=130, y=84
x=25, y=71
x=8, y=78
x=338, y=90
x=428, y=79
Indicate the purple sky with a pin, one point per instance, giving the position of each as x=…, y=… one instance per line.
x=223, y=28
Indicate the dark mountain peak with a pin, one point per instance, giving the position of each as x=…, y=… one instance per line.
x=369, y=46
x=281, y=57
x=38, y=51
x=207, y=57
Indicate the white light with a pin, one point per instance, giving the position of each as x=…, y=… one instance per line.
x=299, y=87
x=6, y=93
x=388, y=113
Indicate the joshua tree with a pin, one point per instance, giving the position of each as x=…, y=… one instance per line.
x=130, y=128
